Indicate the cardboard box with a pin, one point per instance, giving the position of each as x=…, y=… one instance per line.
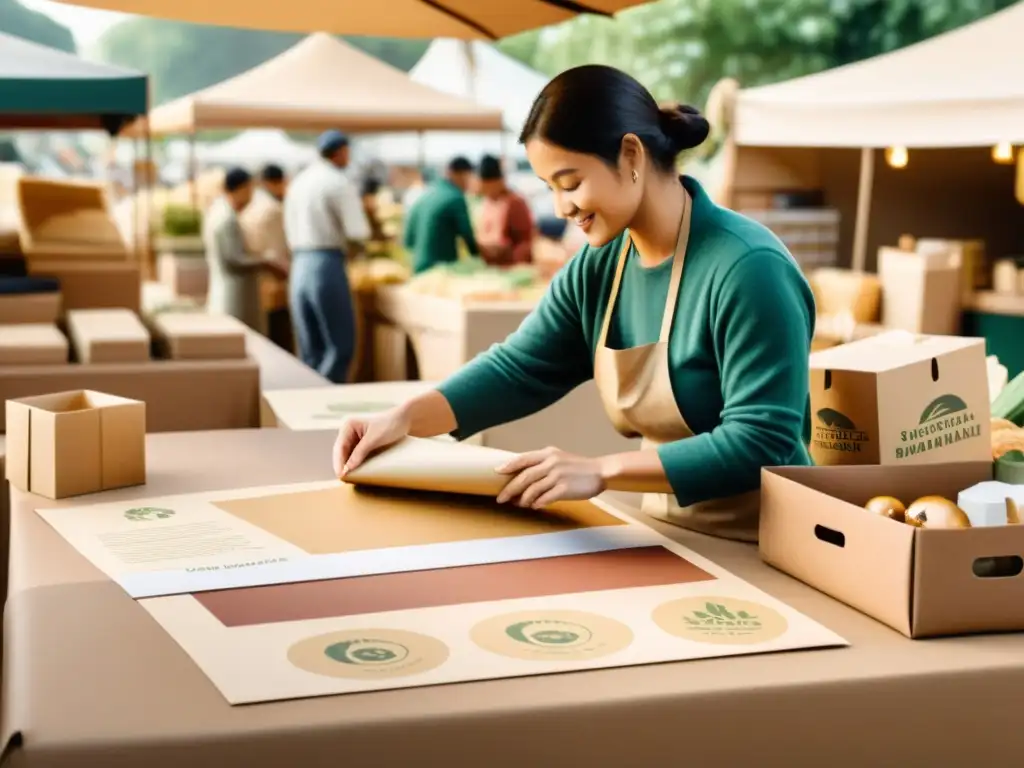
x=94, y=285
x=185, y=275
x=923, y=583
x=108, y=336
x=32, y=344
x=72, y=443
x=180, y=395
x=897, y=398
x=29, y=307
x=921, y=292
x=67, y=220
x=200, y=336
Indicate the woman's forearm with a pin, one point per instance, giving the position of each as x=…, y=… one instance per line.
x=429, y=415
x=635, y=472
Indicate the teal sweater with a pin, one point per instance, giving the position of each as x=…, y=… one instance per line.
x=437, y=220
x=738, y=350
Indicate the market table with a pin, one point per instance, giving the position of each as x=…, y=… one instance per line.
x=91, y=680
x=279, y=369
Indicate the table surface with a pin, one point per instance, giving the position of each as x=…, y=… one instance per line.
x=279, y=369
x=90, y=679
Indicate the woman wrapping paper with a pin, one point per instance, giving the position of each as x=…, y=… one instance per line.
x=694, y=321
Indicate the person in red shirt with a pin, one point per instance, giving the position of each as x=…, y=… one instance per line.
x=505, y=223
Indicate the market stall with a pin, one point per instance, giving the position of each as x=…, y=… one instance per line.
x=920, y=141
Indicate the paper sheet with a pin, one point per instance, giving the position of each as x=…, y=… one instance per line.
x=311, y=531
x=656, y=604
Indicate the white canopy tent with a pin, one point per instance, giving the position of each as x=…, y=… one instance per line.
x=962, y=89
x=257, y=147
x=475, y=71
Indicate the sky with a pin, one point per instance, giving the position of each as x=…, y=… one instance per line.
x=85, y=24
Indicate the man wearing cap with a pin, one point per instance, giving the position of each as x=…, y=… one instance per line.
x=504, y=221
x=324, y=222
x=234, y=274
x=440, y=218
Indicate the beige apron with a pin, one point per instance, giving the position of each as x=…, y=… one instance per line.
x=636, y=389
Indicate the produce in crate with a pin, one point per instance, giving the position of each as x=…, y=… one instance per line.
x=888, y=506
x=936, y=512
x=1009, y=404
x=472, y=280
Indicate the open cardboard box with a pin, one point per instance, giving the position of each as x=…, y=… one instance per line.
x=920, y=582
x=67, y=220
x=73, y=443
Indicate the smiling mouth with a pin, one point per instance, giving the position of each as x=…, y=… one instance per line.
x=584, y=222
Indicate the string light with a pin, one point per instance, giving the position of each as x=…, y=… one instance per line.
x=1002, y=153
x=896, y=157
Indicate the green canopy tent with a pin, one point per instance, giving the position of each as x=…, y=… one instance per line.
x=43, y=88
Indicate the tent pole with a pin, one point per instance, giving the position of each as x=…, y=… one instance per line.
x=193, y=192
x=421, y=144
x=860, y=227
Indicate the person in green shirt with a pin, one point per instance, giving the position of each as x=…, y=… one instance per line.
x=439, y=218
x=693, y=320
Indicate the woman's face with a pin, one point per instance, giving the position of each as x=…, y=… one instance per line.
x=599, y=199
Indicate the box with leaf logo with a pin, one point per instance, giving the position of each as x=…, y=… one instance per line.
x=900, y=398
x=73, y=443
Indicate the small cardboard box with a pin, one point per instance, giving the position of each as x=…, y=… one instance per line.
x=923, y=583
x=94, y=285
x=921, y=291
x=897, y=398
x=29, y=307
x=32, y=344
x=73, y=443
x=67, y=220
x=200, y=336
x=108, y=336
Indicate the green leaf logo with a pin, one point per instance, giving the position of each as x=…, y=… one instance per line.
x=549, y=633
x=835, y=420
x=942, y=406
x=367, y=652
x=144, y=514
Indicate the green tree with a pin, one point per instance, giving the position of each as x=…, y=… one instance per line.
x=182, y=58
x=17, y=20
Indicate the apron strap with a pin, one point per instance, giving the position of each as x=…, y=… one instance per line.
x=614, y=293
x=676, y=279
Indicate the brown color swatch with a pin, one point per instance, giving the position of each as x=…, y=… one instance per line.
x=355, y=518
x=571, y=574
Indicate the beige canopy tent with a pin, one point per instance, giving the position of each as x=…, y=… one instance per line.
x=960, y=92
x=464, y=19
x=320, y=83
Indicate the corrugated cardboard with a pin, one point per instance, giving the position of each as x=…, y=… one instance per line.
x=72, y=443
x=108, y=336
x=920, y=582
x=896, y=398
x=66, y=220
x=921, y=292
x=200, y=336
x=32, y=344
x=179, y=395
x=94, y=285
x=29, y=308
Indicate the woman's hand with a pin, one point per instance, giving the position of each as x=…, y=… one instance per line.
x=544, y=477
x=361, y=435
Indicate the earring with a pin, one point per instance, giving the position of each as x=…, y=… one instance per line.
x=636, y=176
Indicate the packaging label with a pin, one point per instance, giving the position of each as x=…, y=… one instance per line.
x=945, y=421
x=834, y=431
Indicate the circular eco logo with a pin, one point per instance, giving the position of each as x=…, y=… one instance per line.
x=720, y=620
x=551, y=635
x=143, y=514
x=368, y=654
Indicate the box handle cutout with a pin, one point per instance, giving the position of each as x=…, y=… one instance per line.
x=828, y=380
x=998, y=567
x=835, y=538
x=935, y=369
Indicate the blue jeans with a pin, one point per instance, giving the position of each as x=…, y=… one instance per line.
x=322, y=313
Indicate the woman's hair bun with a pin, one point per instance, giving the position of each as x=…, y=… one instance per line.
x=684, y=126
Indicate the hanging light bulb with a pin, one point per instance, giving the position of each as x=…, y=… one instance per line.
x=1002, y=153
x=896, y=157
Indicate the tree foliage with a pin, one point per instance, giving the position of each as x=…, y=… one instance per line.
x=17, y=20
x=182, y=58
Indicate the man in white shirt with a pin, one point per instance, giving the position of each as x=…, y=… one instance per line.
x=324, y=222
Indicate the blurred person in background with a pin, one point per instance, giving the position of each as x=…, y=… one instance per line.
x=369, y=192
x=325, y=223
x=263, y=227
x=234, y=274
x=440, y=218
x=505, y=227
